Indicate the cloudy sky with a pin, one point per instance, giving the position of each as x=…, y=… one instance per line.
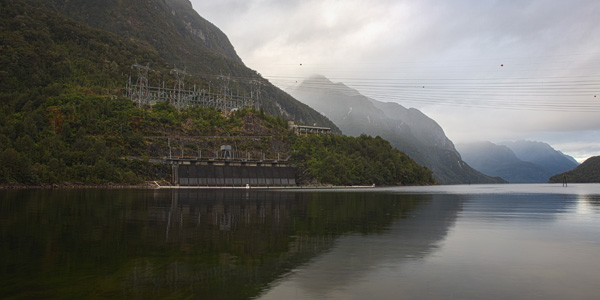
x=484, y=70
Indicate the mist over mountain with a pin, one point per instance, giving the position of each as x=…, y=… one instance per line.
x=517, y=162
x=501, y=161
x=542, y=154
x=174, y=31
x=408, y=130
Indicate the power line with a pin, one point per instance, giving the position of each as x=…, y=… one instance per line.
x=553, y=93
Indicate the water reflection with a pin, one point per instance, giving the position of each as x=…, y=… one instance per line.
x=355, y=257
x=466, y=246
x=144, y=244
x=430, y=242
x=516, y=208
x=589, y=203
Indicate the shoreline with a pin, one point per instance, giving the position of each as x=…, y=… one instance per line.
x=298, y=187
x=156, y=185
x=74, y=186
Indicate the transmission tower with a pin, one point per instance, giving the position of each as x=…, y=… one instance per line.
x=139, y=92
x=222, y=101
x=180, y=85
x=255, y=94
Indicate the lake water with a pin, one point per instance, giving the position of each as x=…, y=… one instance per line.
x=441, y=242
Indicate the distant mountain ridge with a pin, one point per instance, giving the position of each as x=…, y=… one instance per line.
x=409, y=130
x=542, y=154
x=535, y=162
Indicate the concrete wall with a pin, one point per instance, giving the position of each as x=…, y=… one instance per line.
x=211, y=175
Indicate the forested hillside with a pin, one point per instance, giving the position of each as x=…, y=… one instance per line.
x=63, y=117
x=172, y=31
x=587, y=172
x=344, y=160
x=90, y=139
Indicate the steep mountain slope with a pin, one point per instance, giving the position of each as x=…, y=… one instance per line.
x=170, y=26
x=63, y=119
x=408, y=130
x=543, y=154
x=183, y=39
x=498, y=160
x=587, y=172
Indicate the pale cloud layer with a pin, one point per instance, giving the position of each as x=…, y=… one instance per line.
x=484, y=70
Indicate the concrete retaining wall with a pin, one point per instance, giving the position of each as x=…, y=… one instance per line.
x=211, y=175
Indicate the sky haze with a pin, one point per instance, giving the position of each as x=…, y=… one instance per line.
x=484, y=70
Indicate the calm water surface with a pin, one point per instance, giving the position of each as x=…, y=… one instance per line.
x=443, y=242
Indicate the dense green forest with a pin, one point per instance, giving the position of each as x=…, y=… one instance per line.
x=93, y=139
x=63, y=117
x=587, y=172
x=344, y=160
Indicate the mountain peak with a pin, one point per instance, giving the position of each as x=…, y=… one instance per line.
x=319, y=82
x=184, y=3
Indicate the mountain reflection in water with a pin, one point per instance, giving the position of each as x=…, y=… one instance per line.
x=457, y=242
x=497, y=242
x=355, y=256
x=152, y=244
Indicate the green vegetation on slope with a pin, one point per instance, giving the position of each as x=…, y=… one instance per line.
x=63, y=118
x=587, y=172
x=88, y=139
x=92, y=139
x=173, y=31
x=343, y=160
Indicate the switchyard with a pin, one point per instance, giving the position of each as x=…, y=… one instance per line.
x=141, y=92
x=224, y=168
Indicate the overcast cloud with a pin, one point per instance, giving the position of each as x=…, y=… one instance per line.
x=484, y=70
